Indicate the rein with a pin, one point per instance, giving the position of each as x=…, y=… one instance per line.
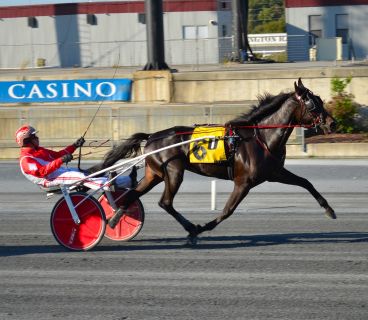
x=95, y=146
x=271, y=126
x=255, y=127
x=274, y=126
x=258, y=126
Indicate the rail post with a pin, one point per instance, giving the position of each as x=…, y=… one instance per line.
x=304, y=146
x=213, y=195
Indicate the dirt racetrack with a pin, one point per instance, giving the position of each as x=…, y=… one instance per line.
x=277, y=257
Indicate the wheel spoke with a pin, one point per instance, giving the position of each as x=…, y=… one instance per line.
x=88, y=233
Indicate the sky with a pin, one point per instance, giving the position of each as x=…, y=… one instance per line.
x=32, y=2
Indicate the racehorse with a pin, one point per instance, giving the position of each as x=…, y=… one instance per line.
x=259, y=151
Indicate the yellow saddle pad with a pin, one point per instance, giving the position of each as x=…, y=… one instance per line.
x=207, y=150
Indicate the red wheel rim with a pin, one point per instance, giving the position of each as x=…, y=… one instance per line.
x=85, y=235
x=130, y=223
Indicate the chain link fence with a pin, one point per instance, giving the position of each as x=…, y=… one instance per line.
x=192, y=52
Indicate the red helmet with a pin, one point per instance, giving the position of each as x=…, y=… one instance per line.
x=24, y=132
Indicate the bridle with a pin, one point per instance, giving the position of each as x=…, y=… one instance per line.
x=309, y=106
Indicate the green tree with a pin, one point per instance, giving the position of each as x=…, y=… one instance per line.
x=266, y=16
x=342, y=106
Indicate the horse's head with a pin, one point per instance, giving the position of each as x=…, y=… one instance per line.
x=312, y=110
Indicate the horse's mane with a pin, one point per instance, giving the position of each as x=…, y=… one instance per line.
x=267, y=104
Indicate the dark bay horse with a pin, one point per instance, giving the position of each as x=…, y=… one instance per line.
x=259, y=154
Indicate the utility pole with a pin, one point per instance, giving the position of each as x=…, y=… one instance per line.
x=155, y=36
x=241, y=45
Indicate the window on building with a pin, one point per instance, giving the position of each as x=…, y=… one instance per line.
x=189, y=32
x=202, y=32
x=225, y=5
x=32, y=22
x=142, y=18
x=224, y=30
x=92, y=19
x=315, y=28
x=195, y=32
x=342, y=27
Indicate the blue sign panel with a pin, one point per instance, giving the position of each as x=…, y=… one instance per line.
x=65, y=90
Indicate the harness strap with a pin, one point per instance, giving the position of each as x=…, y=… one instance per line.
x=265, y=147
x=233, y=145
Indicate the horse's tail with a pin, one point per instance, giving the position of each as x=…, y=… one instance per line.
x=129, y=148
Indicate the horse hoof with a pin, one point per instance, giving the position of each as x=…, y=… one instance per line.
x=330, y=213
x=113, y=221
x=192, y=240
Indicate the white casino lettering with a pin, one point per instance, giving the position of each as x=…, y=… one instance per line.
x=78, y=88
x=12, y=88
x=100, y=93
x=51, y=88
x=35, y=91
x=62, y=90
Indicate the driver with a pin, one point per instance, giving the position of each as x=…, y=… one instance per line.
x=44, y=166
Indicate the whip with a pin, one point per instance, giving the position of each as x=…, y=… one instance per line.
x=94, y=116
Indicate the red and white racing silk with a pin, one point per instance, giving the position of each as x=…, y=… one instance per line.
x=44, y=167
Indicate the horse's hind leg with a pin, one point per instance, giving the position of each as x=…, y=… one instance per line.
x=149, y=180
x=173, y=178
x=287, y=177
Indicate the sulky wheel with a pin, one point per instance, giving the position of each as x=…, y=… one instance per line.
x=83, y=236
x=130, y=223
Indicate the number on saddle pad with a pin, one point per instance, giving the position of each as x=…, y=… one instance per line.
x=208, y=150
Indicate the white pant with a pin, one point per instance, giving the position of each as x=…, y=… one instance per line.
x=72, y=175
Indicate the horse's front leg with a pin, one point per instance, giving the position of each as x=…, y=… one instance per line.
x=287, y=177
x=238, y=194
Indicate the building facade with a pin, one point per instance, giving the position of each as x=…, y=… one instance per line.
x=322, y=25
x=110, y=33
x=106, y=34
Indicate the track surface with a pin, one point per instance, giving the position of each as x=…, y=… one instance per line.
x=277, y=257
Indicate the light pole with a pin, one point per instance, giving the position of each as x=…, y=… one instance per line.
x=155, y=36
x=240, y=30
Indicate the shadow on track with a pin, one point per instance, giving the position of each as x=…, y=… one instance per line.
x=229, y=242
x=9, y=251
x=208, y=243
